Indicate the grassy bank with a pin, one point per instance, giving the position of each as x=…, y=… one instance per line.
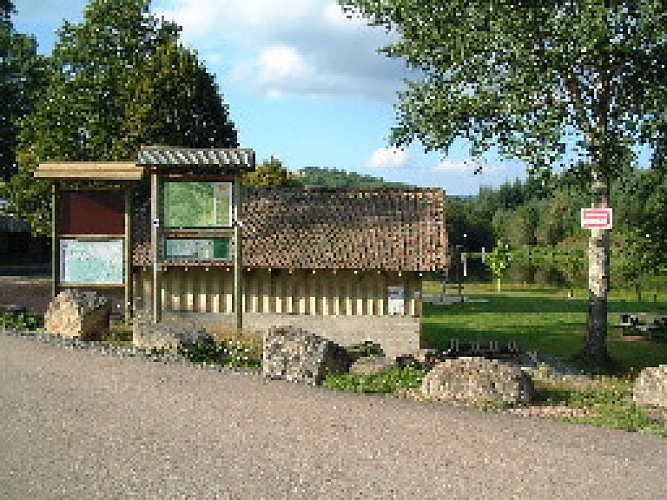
x=542, y=320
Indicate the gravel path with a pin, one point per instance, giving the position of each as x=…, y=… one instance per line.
x=78, y=424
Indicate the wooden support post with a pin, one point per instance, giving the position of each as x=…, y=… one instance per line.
x=129, y=284
x=155, y=248
x=238, y=253
x=55, y=243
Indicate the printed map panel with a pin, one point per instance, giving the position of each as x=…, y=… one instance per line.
x=197, y=204
x=94, y=262
x=197, y=249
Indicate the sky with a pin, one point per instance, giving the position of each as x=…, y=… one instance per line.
x=304, y=84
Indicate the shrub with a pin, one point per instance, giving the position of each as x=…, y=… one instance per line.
x=385, y=382
x=22, y=321
x=221, y=353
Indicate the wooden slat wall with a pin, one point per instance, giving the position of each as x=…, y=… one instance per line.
x=302, y=292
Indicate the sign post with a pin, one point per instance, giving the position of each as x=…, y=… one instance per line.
x=596, y=218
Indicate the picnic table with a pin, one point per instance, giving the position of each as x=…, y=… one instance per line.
x=644, y=323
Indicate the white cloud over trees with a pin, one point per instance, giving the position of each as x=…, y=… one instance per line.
x=290, y=47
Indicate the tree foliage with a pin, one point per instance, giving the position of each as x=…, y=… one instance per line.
x=22, y=76
x=270, y=174
x=517, y=74
x=337, y=178
x=531, y=78
x=116, y=81
x=175, y=102
x=499, y=260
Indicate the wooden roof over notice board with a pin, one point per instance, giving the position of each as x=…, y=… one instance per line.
x=89, y=170
x=209, y=160
x=225, y=160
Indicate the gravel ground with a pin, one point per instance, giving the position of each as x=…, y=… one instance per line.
x=77, y=424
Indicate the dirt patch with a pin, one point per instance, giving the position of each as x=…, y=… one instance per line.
x=34, y=296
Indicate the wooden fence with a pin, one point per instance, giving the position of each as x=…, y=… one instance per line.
x=279, y=291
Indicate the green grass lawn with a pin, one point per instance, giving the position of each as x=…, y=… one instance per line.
x=541, y=319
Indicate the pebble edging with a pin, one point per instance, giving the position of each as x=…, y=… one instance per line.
x=122, y=352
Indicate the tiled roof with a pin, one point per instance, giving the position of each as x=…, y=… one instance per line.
x=237, y=159
x=391, y=229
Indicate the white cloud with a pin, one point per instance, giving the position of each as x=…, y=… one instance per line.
x=467, y=166
x=276, y=63
x=294, y=47
x=334, y=15
x=388, y=157
x=455, y=166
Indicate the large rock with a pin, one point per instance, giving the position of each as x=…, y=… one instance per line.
x=168, y=334
x=472, y=380
x=296, y=355
x=80, y=315
x=651, y=386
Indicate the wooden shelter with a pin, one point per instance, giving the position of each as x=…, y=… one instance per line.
x=343, y=263
x=91, y=206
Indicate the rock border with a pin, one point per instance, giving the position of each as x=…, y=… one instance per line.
x=166, y=356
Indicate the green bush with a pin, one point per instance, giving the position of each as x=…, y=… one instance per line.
x=385, y=382
x=22, y=321
x=220, y=353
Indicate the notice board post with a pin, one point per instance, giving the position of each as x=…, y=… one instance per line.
x=128, y=257
x=238, y=252
x=156, y=298
x=55, y=268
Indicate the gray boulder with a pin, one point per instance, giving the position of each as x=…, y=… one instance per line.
x=296, y=355
x=169, y=334
x=651, y=387
x=472, y=380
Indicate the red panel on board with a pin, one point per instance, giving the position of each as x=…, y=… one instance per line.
x=92, y=212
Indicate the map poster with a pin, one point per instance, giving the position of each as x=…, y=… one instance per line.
x=395, y=300
x=93, y=262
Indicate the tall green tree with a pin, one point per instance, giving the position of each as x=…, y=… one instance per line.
x=104, y=75
x=270, y=174
x=175, y=102
x=531, y=78
x=21, y=78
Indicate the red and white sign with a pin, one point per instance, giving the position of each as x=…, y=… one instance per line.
x=596, y=218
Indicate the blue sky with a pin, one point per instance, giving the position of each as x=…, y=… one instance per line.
x=303, y=84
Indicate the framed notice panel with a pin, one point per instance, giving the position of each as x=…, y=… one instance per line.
x=198, y=249
x=395, y=300
x=197, y=204
x=96, y=262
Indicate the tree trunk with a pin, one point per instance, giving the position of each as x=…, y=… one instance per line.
x=595, y=347
x=498, y=284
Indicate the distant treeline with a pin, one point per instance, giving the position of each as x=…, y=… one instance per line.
x=542, y=216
